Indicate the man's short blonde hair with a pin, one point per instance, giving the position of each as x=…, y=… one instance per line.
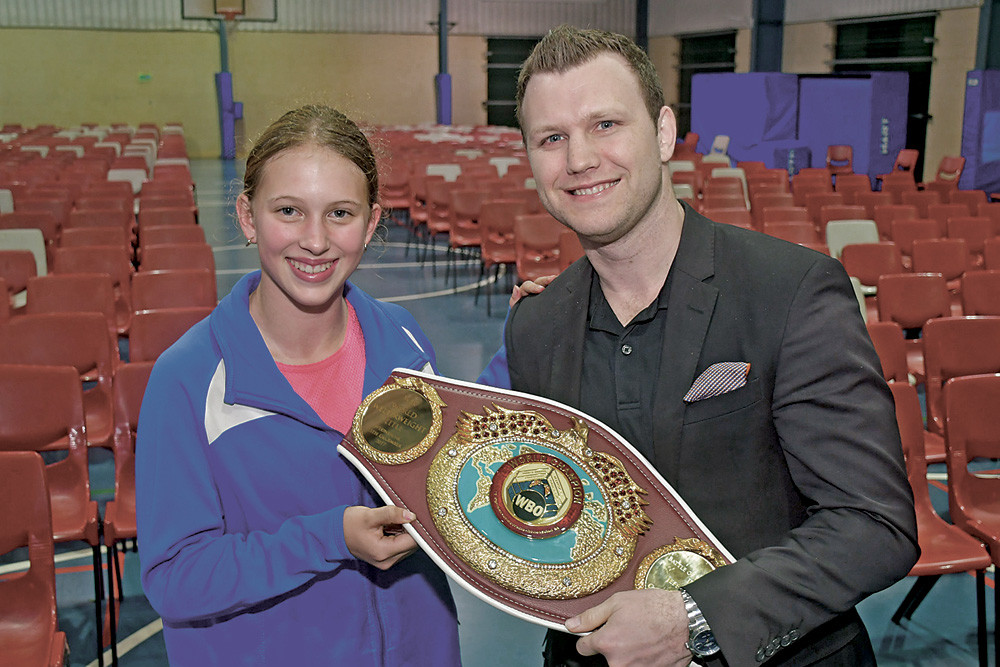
x=567, y=47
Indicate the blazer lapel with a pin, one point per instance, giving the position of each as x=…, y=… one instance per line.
x=568, y=318
x=689, y=312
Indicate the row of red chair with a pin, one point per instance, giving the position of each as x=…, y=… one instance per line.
x=42, y=408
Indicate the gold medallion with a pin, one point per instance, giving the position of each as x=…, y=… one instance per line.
x=676, y=565
x=398, y=423
x=532, y=508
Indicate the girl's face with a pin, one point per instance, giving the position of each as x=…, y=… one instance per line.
x=311, y=220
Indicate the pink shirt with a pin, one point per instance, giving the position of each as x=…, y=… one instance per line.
x=333, y=387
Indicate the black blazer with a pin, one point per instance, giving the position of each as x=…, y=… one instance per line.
x=799, y=472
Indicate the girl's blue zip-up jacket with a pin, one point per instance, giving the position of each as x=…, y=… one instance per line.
x=240, y=496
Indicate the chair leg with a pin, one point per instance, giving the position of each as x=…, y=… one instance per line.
x=921, y=587
x=98, y=606
x=981, y=616
x=482, y=273
x=114, y=575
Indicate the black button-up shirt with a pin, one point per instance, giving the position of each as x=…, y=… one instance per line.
x=621, y=365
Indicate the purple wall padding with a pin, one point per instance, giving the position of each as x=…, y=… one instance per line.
x=981, y=131
x=770, y=116
x=867, y=112
x=753, y=109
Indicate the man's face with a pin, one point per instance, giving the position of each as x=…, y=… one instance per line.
x=597, y=156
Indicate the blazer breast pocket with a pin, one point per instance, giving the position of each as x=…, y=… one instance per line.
x=724, y=404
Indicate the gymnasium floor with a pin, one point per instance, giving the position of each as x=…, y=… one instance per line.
x=942, y=632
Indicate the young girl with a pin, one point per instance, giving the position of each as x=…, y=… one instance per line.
x=258, y=544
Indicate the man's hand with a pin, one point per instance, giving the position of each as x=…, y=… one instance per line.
x=529, y=287
x=376, y=535
x=635, y=628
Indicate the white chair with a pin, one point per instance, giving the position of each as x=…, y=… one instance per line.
x=720, y=145
x=6, y=201
x=840, y=233
x=451, y=172
x=684, y=191
x=25, y=239
x=134, y=177
x=680, y=165
x=859, y=294
x=501, y=164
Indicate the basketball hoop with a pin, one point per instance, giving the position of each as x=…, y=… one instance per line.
x=229, y=19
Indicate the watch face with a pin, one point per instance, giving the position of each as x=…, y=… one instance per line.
x=703, y=643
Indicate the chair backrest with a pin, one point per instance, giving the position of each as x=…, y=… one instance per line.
x=130, y=386
x=496, y=222
x=163, y=215
x=720, y=144
x=890, y=346
x=570, y=248
x=850, y=185
x=792, y=231
x=872, y=199
x=177, y=256
x=95, y=236
x=868, y=261
x=816, y=200
x=956, y=346
x=153, y=331
x=536, y=242
x=895, y=184
x=905, y=232
x=77, y=339
x=41, y=408
x=949, y=257
x=16, y=267
x=839, y=159
x=941, y=213
x=28, y=622
x=906, y=159
x=738, y=217
x=828, y=212
x=173, y=288
x=971, y=198
x=921, y=199
x=27, y=239
x=844, y=232
x=910, y=299
x=886, y=213
x=973, y=229
x=43, y=221
x=73, y=292
x=950, y=169
x=981, y=292
x=911, y=436
x=168, y=234
x=972, y=432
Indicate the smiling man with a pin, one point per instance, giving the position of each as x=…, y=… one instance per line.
x=738, y=364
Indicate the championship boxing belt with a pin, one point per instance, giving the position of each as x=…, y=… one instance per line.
x=528, y=504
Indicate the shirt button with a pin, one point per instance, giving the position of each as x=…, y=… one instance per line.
x=626, y=349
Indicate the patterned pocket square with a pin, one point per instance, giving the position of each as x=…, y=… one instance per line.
x=718, y=379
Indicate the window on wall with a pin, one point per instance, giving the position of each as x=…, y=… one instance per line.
x=700, y=54
x=897, y=45
x=503, y=62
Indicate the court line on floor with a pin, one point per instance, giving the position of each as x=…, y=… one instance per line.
x=128, y=643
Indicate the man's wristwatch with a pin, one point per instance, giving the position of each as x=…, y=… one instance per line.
x=701, y=641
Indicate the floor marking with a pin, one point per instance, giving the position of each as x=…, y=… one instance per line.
x=133, y=640
x=59, y=558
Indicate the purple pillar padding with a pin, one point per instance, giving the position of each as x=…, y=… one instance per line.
x=229, y=112
x=753, y=109
x=981, y=132
x=442, y=86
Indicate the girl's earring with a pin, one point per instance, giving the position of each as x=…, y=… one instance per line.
x=250, y=242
